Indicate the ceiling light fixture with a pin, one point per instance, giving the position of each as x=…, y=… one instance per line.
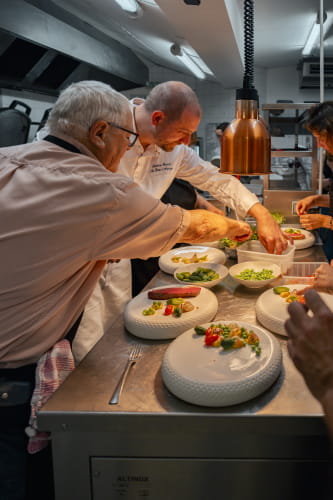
x=246, y=143
x=131, y=7
x=313, y=37
x=186, y=59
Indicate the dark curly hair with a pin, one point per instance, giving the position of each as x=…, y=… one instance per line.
x=320, y=118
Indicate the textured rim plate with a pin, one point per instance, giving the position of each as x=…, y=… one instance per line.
x=168, y=266
x=209, y=376
x=159, y=326
x=272, y=310
x=308, y=240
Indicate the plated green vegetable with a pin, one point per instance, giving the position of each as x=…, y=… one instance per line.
x=200, y=274
x=251, y=274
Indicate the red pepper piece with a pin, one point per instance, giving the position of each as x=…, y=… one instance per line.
x=168, y=310
x=210, y=339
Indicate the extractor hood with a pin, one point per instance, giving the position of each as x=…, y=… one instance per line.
x=43, y=54
x=309, y=73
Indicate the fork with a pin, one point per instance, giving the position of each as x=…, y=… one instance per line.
x=134, y=354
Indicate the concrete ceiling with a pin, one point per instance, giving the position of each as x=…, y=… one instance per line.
x=213, y=30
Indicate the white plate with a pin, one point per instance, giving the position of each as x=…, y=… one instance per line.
x=307, y=242
x=159, y=326
x=221, y=270
x=272, y=310
x=209, y=376
x=213, y=255
x=256, y=265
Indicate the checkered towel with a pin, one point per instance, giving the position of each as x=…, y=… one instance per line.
x=52, y=369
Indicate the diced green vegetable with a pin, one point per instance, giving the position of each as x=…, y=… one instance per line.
x=200, y=274
x=178, y=312
x=200, y=330
x=280, y=289
x=148, y=312
x=156, y=305
x=175, y=301
x=228, y=343
x=251, y=274
x=279, y=218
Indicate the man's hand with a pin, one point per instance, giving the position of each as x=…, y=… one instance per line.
x=310, y=343
x=208, y=226
x=238, y=230
x=269, y=231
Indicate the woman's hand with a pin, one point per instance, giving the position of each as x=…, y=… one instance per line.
x=314, y=221
x=303, y=205
x=315, y=200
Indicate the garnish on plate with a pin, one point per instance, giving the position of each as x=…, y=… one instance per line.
x=289, y=295
x=190, y=260
x=229, y=336
x=175, y=306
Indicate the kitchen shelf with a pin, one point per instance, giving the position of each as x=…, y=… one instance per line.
x=280, y=195
x=283, y=153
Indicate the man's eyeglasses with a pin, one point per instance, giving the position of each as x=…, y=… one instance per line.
x=131, y=139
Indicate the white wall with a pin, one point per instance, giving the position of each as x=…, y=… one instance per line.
x=283, y=83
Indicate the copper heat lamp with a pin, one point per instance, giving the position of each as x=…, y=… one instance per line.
x=246, y=143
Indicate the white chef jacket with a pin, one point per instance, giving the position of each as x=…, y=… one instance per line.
x=154, y=170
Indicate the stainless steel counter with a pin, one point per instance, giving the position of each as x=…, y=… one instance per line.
x=154, y=446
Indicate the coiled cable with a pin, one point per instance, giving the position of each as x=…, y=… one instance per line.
x=248, y=44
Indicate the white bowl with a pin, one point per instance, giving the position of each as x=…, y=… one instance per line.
x=190, y=268
x=256, y=265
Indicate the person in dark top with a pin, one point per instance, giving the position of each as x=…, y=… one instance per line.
x=320, y=123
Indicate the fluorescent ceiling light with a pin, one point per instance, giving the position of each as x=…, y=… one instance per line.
x=187, y=61
x=129, y=6
x=313, y=39
x=191, y=65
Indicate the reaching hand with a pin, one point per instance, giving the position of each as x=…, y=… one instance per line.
x=303, y=205
x=323, y=278
x=271, y=236
x=313, y=221
x=238, y=230
x=269, y=231
x=310, y=343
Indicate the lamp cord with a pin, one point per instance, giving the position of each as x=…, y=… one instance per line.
x=248, y=43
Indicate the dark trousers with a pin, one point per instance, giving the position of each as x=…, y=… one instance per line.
x=24, y=476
